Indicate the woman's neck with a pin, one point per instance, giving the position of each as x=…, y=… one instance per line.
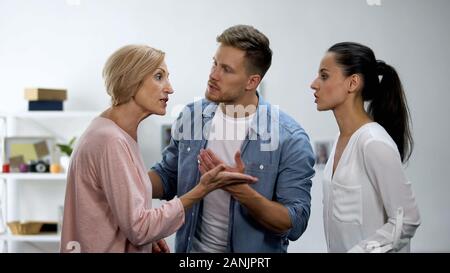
x=127, y=116
x=350, y=118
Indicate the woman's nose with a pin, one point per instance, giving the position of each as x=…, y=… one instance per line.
x=314, y=85
x=169, y=88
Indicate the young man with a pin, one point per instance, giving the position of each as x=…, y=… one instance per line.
x=262, y=217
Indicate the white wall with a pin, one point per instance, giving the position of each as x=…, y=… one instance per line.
x=49, y=43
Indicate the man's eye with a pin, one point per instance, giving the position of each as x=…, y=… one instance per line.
x=324, y=76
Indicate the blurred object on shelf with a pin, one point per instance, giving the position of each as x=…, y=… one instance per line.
x=38, y=94
x=23, y=168
x=45, y=105
x=55, y=168
x=31, y=151
x=67, y=148
x=39, y=166
x=45, y=99
x=32, y=227
x=5, y=168
x=25, y=228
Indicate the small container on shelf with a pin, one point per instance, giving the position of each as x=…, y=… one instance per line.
x=5, y=168
x=25, y=228
x=23, y=168
x=55, y=168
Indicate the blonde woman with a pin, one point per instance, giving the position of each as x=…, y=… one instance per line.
x=109, y=193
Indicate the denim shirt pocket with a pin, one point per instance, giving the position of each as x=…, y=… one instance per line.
x=190, y=147
x=266, y=174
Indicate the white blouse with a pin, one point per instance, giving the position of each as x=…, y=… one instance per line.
x=369, y=205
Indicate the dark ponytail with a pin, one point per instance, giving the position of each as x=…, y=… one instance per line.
x=387, y=101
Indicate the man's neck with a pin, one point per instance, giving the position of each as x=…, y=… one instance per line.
x=242, y=108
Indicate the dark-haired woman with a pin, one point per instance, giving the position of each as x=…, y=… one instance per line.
x=369, y=205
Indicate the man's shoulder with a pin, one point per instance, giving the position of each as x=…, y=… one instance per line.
x=203, y=102
x=289, y=124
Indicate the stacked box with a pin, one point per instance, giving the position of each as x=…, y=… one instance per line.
x=45, y=99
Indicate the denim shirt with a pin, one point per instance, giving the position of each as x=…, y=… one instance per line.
x=284, y=169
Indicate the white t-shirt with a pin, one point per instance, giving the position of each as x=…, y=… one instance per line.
x=225, y=138
x=362, y=198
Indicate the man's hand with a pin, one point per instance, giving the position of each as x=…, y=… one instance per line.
x=272, y=215
x=208, y=161
x=160, y=247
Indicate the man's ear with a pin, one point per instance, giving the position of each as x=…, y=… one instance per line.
x=354, y=83
x=253, y=82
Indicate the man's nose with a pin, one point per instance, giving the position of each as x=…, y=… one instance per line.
x=214, y=74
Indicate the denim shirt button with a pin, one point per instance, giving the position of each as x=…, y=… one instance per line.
x=261, y=167
x=188, y=149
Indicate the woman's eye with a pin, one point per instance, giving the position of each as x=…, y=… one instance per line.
x=158, y=76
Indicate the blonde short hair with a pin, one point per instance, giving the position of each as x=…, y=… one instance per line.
x=126, y=70
x=255, y=44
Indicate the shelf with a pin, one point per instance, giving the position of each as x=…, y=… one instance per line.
x=34, y=176
x=52, y=114
x=51, y=237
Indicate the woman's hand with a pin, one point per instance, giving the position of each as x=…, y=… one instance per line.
x=160, y=247
x=219, y=177
x=215, y=178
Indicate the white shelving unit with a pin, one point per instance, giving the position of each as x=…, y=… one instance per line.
x=49, y=238
x=10, y=180
x=34, y=176
x=66, y=123
x=51, y=114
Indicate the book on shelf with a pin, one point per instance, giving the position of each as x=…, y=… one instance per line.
x=45, y=94
x=45, y=105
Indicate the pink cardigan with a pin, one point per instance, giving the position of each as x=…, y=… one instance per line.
x=108, y=204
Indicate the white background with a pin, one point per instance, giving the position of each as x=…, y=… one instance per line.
x=50, y=43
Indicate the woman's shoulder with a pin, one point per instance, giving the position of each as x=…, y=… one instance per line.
x=374, y=135
x=103, y=132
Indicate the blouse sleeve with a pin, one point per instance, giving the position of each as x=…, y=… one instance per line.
x=126, y=196
x=385, y=171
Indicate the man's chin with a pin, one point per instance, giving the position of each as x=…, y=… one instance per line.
x=211, y=97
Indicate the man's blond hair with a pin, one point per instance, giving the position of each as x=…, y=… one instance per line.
x=255, y=44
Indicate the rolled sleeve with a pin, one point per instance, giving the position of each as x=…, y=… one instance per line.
x=384, y=167
x=294, y=181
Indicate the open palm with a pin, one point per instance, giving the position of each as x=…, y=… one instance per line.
x=208, y=161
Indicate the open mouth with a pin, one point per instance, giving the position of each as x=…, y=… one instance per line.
x=213, y=87
x=164, y=101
